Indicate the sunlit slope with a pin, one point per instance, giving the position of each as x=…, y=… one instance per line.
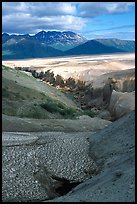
x=24, y=96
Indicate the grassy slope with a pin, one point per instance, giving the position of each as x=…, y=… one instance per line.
x=24, y=96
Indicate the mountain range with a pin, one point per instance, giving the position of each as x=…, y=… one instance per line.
x=102, y=46
x=54, y=43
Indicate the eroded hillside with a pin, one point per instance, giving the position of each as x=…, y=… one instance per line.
x=24, y=96
x=58, y=151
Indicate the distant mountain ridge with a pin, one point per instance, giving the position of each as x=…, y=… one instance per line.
x=126, y=45
x=59, y=40
x=66, y=37
x=54, y=43
x=103, y=46
x=26, y=48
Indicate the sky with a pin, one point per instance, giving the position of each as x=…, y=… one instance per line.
x=89, y=19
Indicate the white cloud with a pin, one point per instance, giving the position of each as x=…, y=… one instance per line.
x=25, y=23
x=30, y=17
x=68, y=8
x=93, y=9
x=39, y=8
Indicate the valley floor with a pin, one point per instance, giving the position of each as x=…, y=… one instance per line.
x=82, y=67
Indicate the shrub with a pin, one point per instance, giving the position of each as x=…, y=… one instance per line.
x=81, y=85
x=70, y=82
x=55, y=107
x=59, y=81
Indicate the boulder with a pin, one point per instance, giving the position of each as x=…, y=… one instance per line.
x=121, y=103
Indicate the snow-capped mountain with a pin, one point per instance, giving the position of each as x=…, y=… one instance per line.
x=59, y=40
x=66, y=37
x=54, y=43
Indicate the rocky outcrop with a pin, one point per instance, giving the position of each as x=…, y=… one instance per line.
x=121, y=104
x=107, y=91
x=123, y=80
x=111, y=94
x=126, y=84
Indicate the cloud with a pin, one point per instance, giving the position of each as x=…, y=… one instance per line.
x=50, y=8
x=93, y=9
x=31, y=17
x=39, y=8
x=13, y=7
x=25, y=23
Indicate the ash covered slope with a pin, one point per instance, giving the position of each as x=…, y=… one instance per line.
x=113, y=149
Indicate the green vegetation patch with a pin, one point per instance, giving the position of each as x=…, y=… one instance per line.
x=20, y=100
x=32, y=110
x=53, y=106
x=25, y=102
